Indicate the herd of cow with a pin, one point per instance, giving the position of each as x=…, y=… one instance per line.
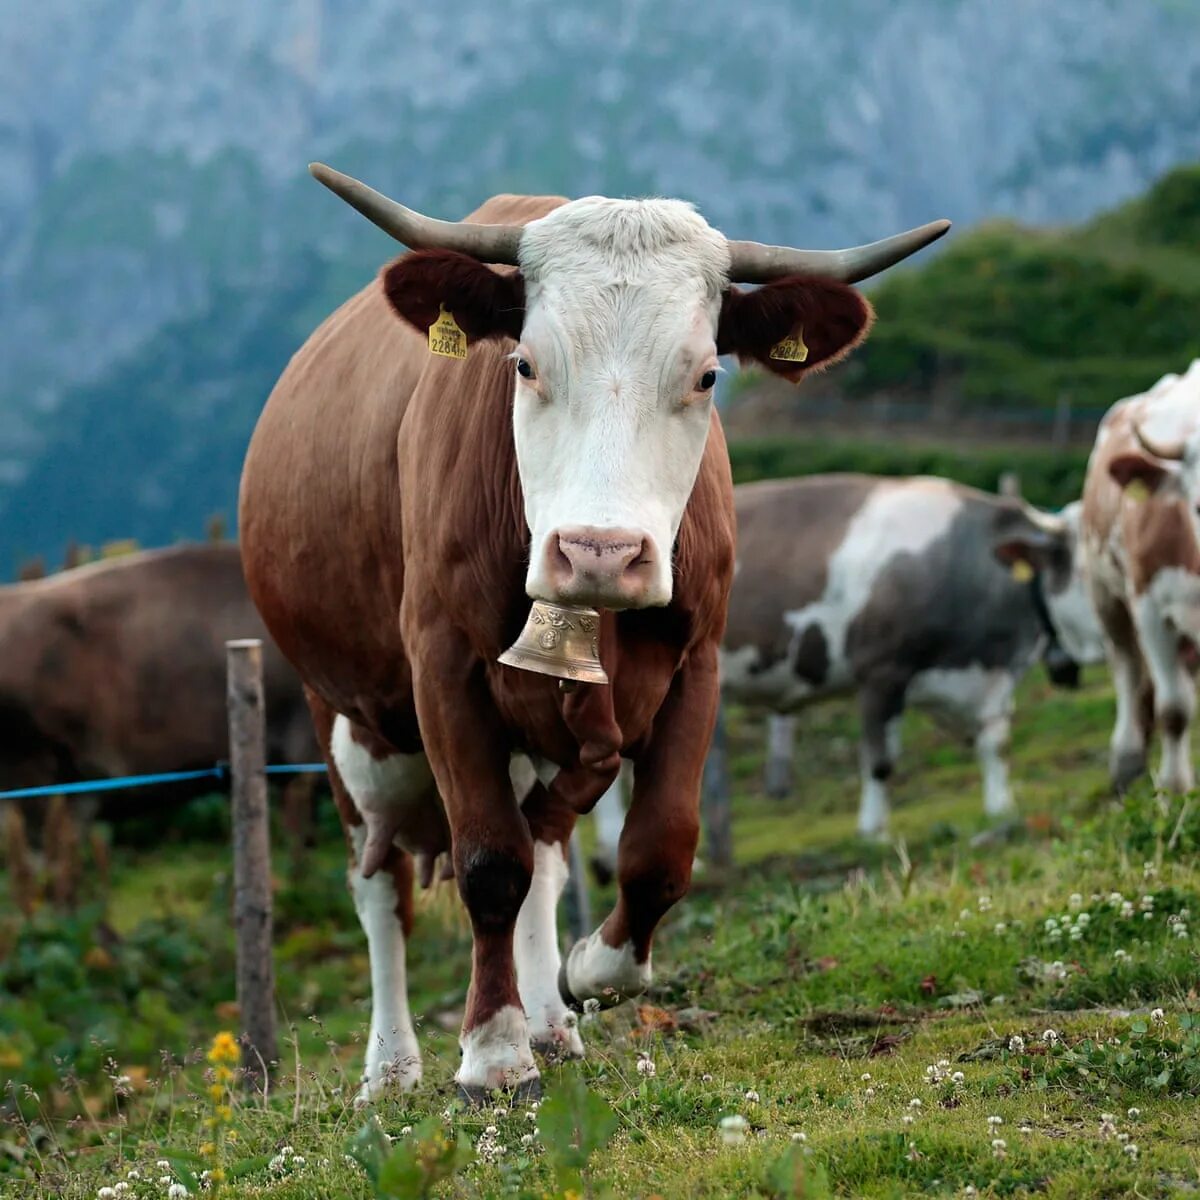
x=521, y=407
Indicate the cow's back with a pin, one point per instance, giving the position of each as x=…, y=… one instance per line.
x=845, y=578
x=118, y=667
x=320, y=508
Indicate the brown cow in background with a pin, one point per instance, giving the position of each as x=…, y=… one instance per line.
x=118, y=668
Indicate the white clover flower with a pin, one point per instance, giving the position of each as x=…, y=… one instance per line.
x=121, y=1188
x=999, y=1147
x=1051, y=924
x=865, y=1077
x=645, y=1065
x=591, y=1006
x=908, y=1118
x=985, y=903
x=964, y=914
x=1120, y=955
x=1115, y=898
x=165, y=1180
x=1134, y=1113
x=278, y=1164
x=133, y=1173
x=405, y=1130
x=993, y=1122
x=1076, y=934
x=999, y=927
x=1050, y=1037
x=1158, y=1016
x=1126, y=909
x=1025, y=1128
x=869, y=1093
x=527, y=1139
x=958, y=1078
x=1181, y=931
x=915, y=1103
x=706, y=1078
x=106, y=1193
x=1075, y=900
x=1122, y=1137
x=298, y=1160
x=163, y=1165
x=1147, y=902
x=1016, y=1044
x=733, y=1129
x=969, y=1190
x=1131, y=1149
x=1084, y=918
x=751, y=1096
x=176, y=1192
x=286, y=1151
x=530, y=1115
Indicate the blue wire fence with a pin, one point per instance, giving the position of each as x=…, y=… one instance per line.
x=219, y=773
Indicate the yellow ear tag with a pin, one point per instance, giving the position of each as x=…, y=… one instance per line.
x=1137, y=490
x=1022, y=572
x=445, y=337
x=791, y=349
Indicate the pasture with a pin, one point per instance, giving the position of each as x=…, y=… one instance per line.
x=962, y=1011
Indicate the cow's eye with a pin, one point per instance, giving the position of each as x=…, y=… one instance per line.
x=524, y=368
x=707, y=381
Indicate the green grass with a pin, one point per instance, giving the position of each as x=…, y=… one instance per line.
x=818, y=962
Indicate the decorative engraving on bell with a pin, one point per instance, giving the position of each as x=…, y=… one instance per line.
x=560, y=640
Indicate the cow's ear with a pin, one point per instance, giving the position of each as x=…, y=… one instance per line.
x=1135, y=472
x=1027, y=552
x=485, y=303
x=794, y=325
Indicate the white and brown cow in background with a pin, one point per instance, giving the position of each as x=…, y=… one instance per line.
x=398, y=509
x=1143, y=551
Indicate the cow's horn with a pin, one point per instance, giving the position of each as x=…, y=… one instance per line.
x=753, y=262
x=1168, y=451
x=488, y=243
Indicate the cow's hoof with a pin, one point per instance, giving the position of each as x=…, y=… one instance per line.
x=564, y=988
x=1127, y=769
x=478, y=1096
x=554, y=1050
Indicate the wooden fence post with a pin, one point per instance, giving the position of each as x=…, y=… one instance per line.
x=718, y=818
x=251, y=859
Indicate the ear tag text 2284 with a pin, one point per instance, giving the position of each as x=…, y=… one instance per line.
x=445, y=337
x=791, y=349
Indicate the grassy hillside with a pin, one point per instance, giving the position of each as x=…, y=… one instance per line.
x=833, y=1020
x=1022, y=316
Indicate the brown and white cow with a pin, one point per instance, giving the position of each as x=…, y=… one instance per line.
x=1141, y=538
x=118, y=668
x=398, y=510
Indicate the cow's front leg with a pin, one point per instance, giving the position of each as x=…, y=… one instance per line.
x=493, y=859
x=658, y=842
x=1174, y=696
x=553, y=1030
x=880, y=708
x=781, y=738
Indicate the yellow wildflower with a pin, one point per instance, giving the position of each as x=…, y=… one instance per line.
x=232, y=1135
x=224, y=1113
x=216, y=1091
x=217, y=1174
x=223, y=1074
x=224, y=1049
x=208, y=1149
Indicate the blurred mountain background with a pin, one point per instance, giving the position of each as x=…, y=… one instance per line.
x=163, y=252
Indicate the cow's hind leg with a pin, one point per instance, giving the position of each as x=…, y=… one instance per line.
x=880, y=709
x=991, y=744
x=658, y=842
x=553, y=1030
x=364, y=780
x=1134, y=692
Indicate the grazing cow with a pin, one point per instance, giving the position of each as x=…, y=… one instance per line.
x=118, y=668
x=1140, y=536
x=399, y=508
x=894, y=590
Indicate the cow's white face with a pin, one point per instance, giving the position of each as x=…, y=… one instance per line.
x=614, y=376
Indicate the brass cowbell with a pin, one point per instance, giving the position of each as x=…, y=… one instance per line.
x=562, y=640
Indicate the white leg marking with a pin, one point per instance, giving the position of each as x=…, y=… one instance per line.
x=552, y=1026
x=595, y=970
x=874, y=809
x=991, y=745
x=1128, y=738
x=496, y=1054
x=393, y=1056
x=1174, y=692
x=382, y=790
